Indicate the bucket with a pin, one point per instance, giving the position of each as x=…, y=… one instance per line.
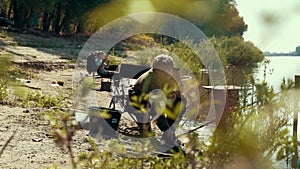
x=103, y=121
x=105, y=86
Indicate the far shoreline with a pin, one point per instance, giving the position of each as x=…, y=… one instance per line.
x=282, y=55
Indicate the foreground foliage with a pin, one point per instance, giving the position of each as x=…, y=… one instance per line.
x=257, y=135
x=257, y=132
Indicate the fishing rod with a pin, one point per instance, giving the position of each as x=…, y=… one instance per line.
x=199, y=127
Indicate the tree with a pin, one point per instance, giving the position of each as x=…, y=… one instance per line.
x=225, y=22
x=213, y=17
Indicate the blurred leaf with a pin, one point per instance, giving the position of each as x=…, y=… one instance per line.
x=270, y=18
x=87, y=85
x=280, y=154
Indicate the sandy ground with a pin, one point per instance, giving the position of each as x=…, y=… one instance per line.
x=32, y=145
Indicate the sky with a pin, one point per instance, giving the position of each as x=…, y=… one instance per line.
x=273, y=25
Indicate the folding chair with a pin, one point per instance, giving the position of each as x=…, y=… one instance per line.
x=129, y=73
x=92, y=69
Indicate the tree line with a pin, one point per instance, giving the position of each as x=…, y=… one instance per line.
x=218, y=19
x=213, y=17
x=56, y=16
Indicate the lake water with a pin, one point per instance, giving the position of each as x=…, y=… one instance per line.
x=280, y=67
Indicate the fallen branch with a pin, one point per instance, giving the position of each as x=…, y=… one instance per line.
x=7, y=142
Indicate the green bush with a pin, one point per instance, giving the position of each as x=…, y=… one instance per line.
x=5, y=68
x=235, y=51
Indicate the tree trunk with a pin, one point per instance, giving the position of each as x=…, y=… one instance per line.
x=66, y=23
x=45, y=22
x=67, y=19
x=19, y=13
x=9, y=9
x=79, y=28
x=57, y=25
